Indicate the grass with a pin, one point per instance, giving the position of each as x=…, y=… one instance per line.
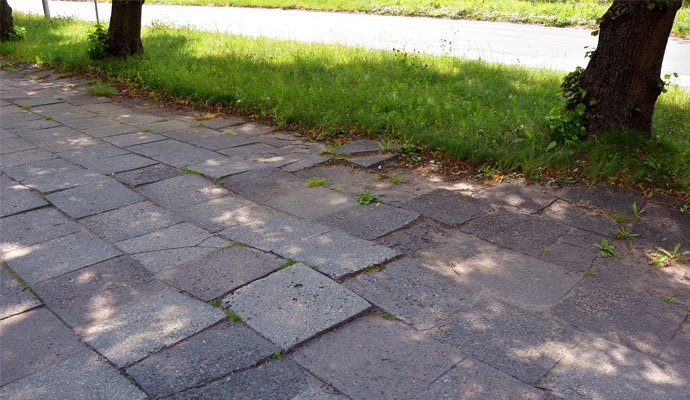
x=549, y=12
x=313, y=182
x=101, y=89
x=479, y=113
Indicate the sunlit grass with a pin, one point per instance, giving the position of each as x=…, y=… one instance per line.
x=474, y=111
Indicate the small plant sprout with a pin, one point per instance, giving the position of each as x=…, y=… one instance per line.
x=395, y=179
x=277, y=355
x=624, y=232
x=284, y=265
x=47, y=117
x=314, y=267
x=25, y=108
x=389, y=317
x=367, y=198
x=587, y=272
x=387, y=146
x=590, y=184
x=216, y=302
x=160, y=120
x=638, y=212
x=606, y=249
x=620, y=218
x=313, y=182
x=186, y=171
x=199, y=125
x=547, y=249
x=238, y=244
x=670, y=299
x=666, y=256
x=232, y=316
x=218, y=182
x=229, y=132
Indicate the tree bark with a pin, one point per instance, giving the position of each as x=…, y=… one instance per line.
x=622, y=80
x=125, y=28
x=6, y=20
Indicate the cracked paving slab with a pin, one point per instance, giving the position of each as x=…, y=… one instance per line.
x=149, y=326
x=304, y=303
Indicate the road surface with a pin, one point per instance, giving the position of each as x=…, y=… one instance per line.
x=531, y=45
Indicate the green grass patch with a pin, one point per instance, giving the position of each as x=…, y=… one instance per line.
x=549, y=12
x=476, y=112
x=101, y=89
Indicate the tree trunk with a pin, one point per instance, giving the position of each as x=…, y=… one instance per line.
x=622, y=80
x=125, y=28
x=6, y=21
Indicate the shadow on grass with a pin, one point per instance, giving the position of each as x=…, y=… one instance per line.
x=474, y=111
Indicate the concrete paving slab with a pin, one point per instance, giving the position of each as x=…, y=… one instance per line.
x=212, y=354
x=529, y=199
x=263, y=184
x=307, y=162
x=223, y=122
x=50, y=175
x=576, y=217
x=570, y=257
x=90, y=123
x=79, y=377
x=372, y=358
x=25, y=229
x=87, y=298
x=210, y=139
x=609, y=306
x=131, y=221
x=472, y=379
x=14, y=297
x=24, y=157
x=134, y=139
x=373, y=161
x=187, y=155
x=370, y=222
x=81, y=99
x=611, y=200
x=15, y=145
x=275, y=140
x=220, y=272
x=281, y=379
x=58, y=256
x=32, y=341
x=134, y=117
x=517, y=278
x=99, y=151
x=225, y=212
x=28, y=125
x=110, y=130
x=519, y=343
x=162, y=125
x=336, y=253
x=62, y=112
x=125, y=162
x=150, y=174
x=598, y=369
x=417, y=295
x=170, y=247
x=151, y=325
x=527, y=234
x=678, y=350
x=220, y=166
x=251, y=129
x=65, y=142
x=312, y=203
x=250, y=150
x=448, y=207
x=92, y=199
x=17, y=198
x=182, y=191
x=31, y=101
x=304, y=303
x=663, y=226
x=158, y=147
x=274, y=232
x=362, y=146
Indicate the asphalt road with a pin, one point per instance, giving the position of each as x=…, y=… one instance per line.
x=532, y=45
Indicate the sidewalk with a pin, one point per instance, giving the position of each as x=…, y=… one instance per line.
x=146, y=234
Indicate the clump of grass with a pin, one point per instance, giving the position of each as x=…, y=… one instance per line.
x=232, y=316
x=312, y=182
x=101, y=89
x=284, y=265
x=476, y=112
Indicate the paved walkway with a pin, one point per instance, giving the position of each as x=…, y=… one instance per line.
x=146, y=235
x=526, y=44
